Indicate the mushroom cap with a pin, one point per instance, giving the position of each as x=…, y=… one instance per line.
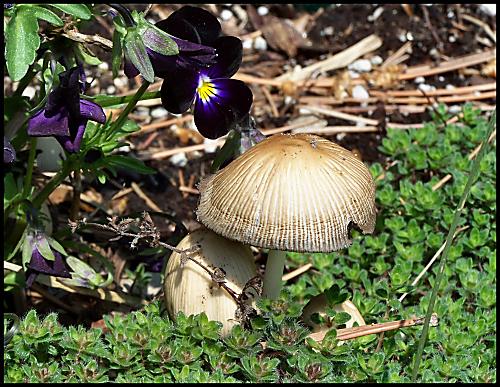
x=292, y=192
x=190, y=289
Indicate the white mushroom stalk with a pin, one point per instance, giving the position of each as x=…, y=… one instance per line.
x=294, y=192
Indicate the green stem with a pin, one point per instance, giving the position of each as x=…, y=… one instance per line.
x=472, y=177
x=53, y=183
x=274, y=271
x=117, y=124
x=25, y=81
x=107, y=101
x=29, y=169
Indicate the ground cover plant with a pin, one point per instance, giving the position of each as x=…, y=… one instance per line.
x=420, y=177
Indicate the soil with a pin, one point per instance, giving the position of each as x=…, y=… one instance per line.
x=437, y=32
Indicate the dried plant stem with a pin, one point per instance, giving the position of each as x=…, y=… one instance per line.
x=472, y=177
x=150, y=203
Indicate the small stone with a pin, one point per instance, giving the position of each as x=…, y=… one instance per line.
x=419, y=80
x=376, y=60
x=210, y=145
x=260, y=43
x=120, y=82
x=159, y=112
x=425, y=87
x=452, y=39
x=454, y=109
x=328, y=30
x=262, y=11
x=376, y=14
x=103, y=66
x=111, y=89
x=226, y=14
x=247, y=44
x=409, y=36
x=449, y=87
x=361, y=66
x=29, y=92
x=179, y=159
x=360, y=92
x=489, y=9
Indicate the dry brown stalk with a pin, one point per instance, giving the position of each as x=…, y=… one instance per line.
x=394, y=57
x=452, y=64
x=150, y=203
x=418, y=93
x=162, y=124
x=482, y=24
x=296, y=272
x=267, y=94
x=354, y=332
x=343, y=116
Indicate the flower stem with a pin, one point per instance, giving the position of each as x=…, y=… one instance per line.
x=125, y=14
x=29, y=170
x=107, y=101
x=77, y=190
x=472, y=177
x=116, y=125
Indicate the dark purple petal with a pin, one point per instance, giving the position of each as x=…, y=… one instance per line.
x=41, y=265
x=178, y=91
x=193, y=24
x=9, y=153
x=220, y=113
x=129, y=69
x=229, y=55
x=92, y=111
x=41, y=124
x=66, y=95
x=72, y=143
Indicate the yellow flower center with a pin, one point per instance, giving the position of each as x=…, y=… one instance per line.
x=206, y=89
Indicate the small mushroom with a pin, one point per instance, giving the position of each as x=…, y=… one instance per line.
x=190, y=289
x=290, y=192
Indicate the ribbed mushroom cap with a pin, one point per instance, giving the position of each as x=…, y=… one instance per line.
x=290, y=192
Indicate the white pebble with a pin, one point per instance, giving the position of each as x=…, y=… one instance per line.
x=103, y=66
x=450, y=15
x=262, y=11
x=29, y=92
x=210, y=145
x=449, y=87
x=441, y=78
x=159, y=112
x=409, y=36
x=353, y=74
x=360, y=92
x=425, y=87
x=452, y=39
x=419, y=80
x=454, y=109
x=361, y=66
x=120, y=82
x=179, y=159
x=111, y=89
x=376, y=60
x=376, y=14
x=328, y=30
x=247, y=44
x=226, y=14
x=402, y=38
x=260, y=43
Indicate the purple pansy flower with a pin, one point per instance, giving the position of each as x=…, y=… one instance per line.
x=65, y=114
x=9, y=153
x=219, y=102
x=38, y=264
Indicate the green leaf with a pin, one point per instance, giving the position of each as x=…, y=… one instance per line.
x=135, y=51
x=44, y=249
x=10, y=189
x=129, y=163
x=228, y=149
x=27, y=251
x=78, y=10
x=21, y=42
x=85, y=55
x=56, y=246
x=47, y=15
x=116, y=53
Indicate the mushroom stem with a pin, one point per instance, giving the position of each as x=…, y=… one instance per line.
x=274, y=271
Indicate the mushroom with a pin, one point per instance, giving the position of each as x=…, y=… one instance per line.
x=290, y=192
x=190, y=289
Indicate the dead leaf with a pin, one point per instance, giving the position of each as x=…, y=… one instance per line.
x=282, y=35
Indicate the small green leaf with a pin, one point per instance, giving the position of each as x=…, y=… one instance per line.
x=135, y=51
x=229, y=148
x=84, y=55
x=44, y=248
x=78, y=10
x=79, y=267
x=56, y=246
x=47, y=15
x=116, y=53
x=129, y=163
x=27, y=251
x=21, y=42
